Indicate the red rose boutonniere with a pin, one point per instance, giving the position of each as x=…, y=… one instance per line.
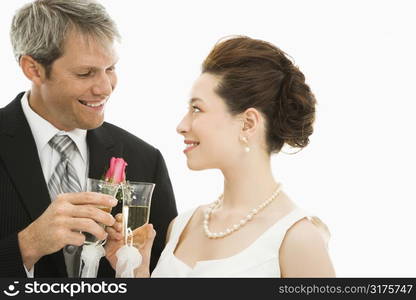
x=117, y=171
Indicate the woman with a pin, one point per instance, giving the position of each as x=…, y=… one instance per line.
x=248, y=102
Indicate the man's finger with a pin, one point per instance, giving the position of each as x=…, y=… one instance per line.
x=88, y=225
x=94, y=213
x=93, y=198
x=75, y=238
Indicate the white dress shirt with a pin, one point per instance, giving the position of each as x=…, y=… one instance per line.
x=42, y=132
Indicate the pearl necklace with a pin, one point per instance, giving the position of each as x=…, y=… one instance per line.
x=241, y=223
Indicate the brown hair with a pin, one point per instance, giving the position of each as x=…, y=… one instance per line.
x=255, y=73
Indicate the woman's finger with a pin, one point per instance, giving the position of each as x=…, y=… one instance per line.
x=142, y=234
x=114, y=234
x=119, y=217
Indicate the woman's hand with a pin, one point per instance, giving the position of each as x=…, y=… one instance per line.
x=143, y=241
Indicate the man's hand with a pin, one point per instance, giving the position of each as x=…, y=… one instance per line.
x=143, y=241
x=62, y=222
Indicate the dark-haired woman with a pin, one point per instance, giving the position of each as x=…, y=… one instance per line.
x=248, y=102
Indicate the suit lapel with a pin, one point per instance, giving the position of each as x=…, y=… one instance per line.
x=101, y=148
x=20, y=156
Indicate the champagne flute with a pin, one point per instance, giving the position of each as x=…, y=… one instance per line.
x=137, y=197
x=104, y=187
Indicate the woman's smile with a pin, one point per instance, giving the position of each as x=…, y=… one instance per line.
x=190, y=145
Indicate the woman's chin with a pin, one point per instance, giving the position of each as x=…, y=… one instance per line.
x=194, y=166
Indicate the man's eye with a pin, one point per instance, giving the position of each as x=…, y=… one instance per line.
x=83, y=75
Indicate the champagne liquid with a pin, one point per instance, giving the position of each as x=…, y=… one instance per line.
x=136, y=216
x=90, y=239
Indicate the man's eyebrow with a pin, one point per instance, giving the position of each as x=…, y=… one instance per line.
x=90, y=67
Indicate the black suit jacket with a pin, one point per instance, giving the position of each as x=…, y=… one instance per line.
x=24, y=195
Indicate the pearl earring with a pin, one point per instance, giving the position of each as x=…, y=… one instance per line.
x=246, y=148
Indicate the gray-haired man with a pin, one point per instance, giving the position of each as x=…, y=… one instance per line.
x=66, y=49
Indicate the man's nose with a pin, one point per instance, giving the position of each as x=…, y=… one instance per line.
x=104, y=85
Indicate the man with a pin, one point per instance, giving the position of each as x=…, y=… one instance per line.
x=66, y=49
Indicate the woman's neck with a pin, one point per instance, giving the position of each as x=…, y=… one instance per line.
x=247, y=185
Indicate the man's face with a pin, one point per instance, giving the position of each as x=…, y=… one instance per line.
x=80, y=83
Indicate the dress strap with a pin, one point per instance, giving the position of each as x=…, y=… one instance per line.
x=179, y=224
x=298, y=214
x=291, y=218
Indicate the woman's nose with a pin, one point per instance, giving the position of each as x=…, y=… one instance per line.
x=183, y=126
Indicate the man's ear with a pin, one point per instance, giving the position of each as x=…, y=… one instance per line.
x=33, y=70
x=251, y=119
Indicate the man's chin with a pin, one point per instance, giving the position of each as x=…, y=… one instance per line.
x=90, y=125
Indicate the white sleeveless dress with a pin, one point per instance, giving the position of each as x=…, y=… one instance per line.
x=260, y=259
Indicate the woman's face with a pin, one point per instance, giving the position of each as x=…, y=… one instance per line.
x=211, y=133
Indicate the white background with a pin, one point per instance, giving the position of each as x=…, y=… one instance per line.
x=357, y=174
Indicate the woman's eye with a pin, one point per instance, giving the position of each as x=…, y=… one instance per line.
x=195, y=109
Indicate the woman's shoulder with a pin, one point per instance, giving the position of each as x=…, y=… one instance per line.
x=304, y=249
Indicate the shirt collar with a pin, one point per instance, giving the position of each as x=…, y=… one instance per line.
x=43, y=131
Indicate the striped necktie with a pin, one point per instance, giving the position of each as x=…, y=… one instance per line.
x=65, y=180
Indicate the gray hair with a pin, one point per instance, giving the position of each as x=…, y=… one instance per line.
x=39, y=28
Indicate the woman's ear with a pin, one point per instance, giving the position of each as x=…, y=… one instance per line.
x=33, y=70
x=251, y=120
